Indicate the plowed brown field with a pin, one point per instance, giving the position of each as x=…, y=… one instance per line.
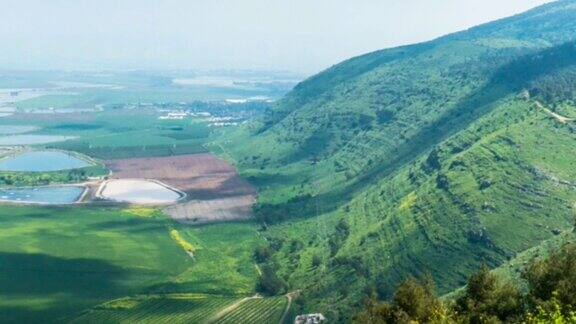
x=215, y=191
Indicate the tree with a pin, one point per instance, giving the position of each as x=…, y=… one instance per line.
x=487, y=300
x=262, y=254
x=415, y=301
x=269, y=283
x=554, y=279
x=553, y=312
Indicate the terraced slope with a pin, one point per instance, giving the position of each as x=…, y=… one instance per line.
x=432, y=158
x=470, y=201
x=368, y=116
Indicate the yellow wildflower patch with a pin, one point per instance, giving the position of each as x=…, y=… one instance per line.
x=181, y=241
x=408, y=202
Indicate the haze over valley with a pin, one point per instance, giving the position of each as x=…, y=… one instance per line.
x=298, y=162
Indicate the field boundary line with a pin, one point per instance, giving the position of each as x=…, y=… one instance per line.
x=290, y=296
x=230, y=308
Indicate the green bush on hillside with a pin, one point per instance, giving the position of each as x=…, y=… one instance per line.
x=269, y=283
x=553, y=280
x=414, y=301
x=487, y=299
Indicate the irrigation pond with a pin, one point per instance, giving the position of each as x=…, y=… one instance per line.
x=41, y=161
x=50, y=195
x=139, y=191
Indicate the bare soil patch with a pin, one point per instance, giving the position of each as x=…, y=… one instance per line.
x=215, y=191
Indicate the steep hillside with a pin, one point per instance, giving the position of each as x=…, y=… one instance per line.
x=473, y=200
x=432, y=158
x=372, y=113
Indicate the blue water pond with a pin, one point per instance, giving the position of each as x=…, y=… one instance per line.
x=54, y=195
x=41, y=161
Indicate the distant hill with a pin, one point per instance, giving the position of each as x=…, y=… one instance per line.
x=430, y=158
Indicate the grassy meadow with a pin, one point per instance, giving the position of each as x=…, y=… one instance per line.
x=57, y=262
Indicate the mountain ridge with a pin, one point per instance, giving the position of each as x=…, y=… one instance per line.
x=432, y=158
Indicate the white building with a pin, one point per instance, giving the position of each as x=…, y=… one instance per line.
x=309, y=319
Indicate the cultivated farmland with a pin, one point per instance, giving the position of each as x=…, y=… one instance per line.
x=85, y=262
x=215, y=191
x=255, y=311
x=187, y=308
x=181, y=308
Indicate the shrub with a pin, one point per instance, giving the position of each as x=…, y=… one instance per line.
x=415, y=301
x=269, y=283
x=486, y=299
x=262, y=254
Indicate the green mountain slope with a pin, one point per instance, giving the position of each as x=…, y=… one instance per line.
x=432, y=158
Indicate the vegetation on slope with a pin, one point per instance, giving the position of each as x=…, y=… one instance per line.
x=445, y=214
x=431, y=158
x=487, y=299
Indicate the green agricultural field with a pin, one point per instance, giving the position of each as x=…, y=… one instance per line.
x=427, y=159
x=110, y=153
x=187, y=308
x=181, y=308
x=121, y=134
x=56, y=262
x=78, y=98
x=57, y=101
x=257, y=311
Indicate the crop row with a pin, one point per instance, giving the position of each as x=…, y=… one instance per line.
x=261, y=310
x=160, y=310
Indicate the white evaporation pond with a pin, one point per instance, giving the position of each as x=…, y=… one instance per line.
x=138, y=191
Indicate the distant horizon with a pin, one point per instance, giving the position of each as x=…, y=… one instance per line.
x=254, y=35
x=152, y=69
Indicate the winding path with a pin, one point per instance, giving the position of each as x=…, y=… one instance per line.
x=559, y=118
x=290, y=296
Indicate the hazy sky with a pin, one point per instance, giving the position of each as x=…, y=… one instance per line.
x=298, y=35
